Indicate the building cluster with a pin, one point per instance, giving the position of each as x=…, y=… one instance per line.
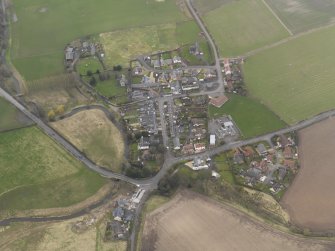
x=267, y=168
x=122, y=215
x=233, y=76
x=147, y=116
x=222, y=129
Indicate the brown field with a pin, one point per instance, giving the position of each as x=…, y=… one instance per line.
x=95, y=135
x=193, y=222
x=310, y=200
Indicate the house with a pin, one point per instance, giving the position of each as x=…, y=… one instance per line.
x=199, y=164
x=254, y=173
x=176, y=60
x=288, y=152
x=248, y=152
x=188, y=149
x=218, y=101
x=144, y=143
x=261, y=150
x=176, y=143
x=199, y=147
x=118, y=214
x=212, y=139
x=128, y=215
x=290, y=164
x=69, y=54
x=226, y=66
x=238, y=157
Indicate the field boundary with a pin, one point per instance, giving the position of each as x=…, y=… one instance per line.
x=277, y=17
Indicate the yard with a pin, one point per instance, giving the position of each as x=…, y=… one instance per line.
x=193, y=222
x=312, y=206
x=242, y=26
x=303, y=15
x=37, y=173
x=252, y=117
x=11, y=118
x=90, y=64
x=38, y=52
x=295, y=79
x=94, y=134
x=222, y=166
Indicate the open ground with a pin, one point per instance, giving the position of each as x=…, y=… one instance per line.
x=312, y=191
x=192, y=222
x=303, y=15
x=242, y=26
x=37, y=173
x=95, y=135
x=295, y=79
x=38, y=54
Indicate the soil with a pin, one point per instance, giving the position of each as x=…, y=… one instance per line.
x=310, y=199
x=194, y=222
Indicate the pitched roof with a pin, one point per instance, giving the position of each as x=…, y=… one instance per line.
x=218, y=101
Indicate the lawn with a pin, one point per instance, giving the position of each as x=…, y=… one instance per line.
x=252, y=117
x=295, y=79
x=38, y=52
x=91, y=64
x=124, y=45
x=242, y=26
x=37, y=173
x=10, y=117
x=223, y=168
x=302, y=15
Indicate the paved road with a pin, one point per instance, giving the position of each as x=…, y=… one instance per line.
x=210, y=40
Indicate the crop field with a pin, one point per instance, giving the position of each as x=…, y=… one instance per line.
x=37, y=173
x=36, y=53
x=303, y=15
x=252, y=117
x=310, y=199
x=10, y=117
x=295, y=79
x=242, y=26
x=192, y=222
x=94, y=134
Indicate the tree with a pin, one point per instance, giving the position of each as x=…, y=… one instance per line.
x=59, y=109
x=89, y=73
x=51, y=115
x=117, y=68
x=93, y=81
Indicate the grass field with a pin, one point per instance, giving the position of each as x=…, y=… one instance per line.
x=38, y=54
x=313, y=206
x=302, y=15
x=10, y=117
x=193, y=222
x=204, y=6
x=94, y=134
x=295, y=79
x=251, y=117
x=223, y=168
x=37, y=173
x=187, y=32
x=88, y=64
x=242, y=26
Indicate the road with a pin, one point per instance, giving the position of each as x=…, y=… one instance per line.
x=210, y=41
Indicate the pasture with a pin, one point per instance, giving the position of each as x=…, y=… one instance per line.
x=203, y=6
x=38, y=52
x=38, y=173
x=310, y=199
x=95, y=135
x=242, y=26
x=10, y=117
x=252, y=117
x=295, y=79
x=193, y=222
x=303, y=15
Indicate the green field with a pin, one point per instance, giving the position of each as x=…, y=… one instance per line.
x=295, y=79
x=242, y=26
x=251, y=117
x=223, y=168
x=37, y=173
x=302, y=15
x=44, y=27
x=10, y=117
x=204, y=6
x=91, y=64
x=187, y=32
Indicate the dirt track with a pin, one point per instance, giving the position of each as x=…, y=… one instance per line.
x=310, y=200
x=192, y=222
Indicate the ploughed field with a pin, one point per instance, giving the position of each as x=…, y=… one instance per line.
x=310, y=199
x=192, y=222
